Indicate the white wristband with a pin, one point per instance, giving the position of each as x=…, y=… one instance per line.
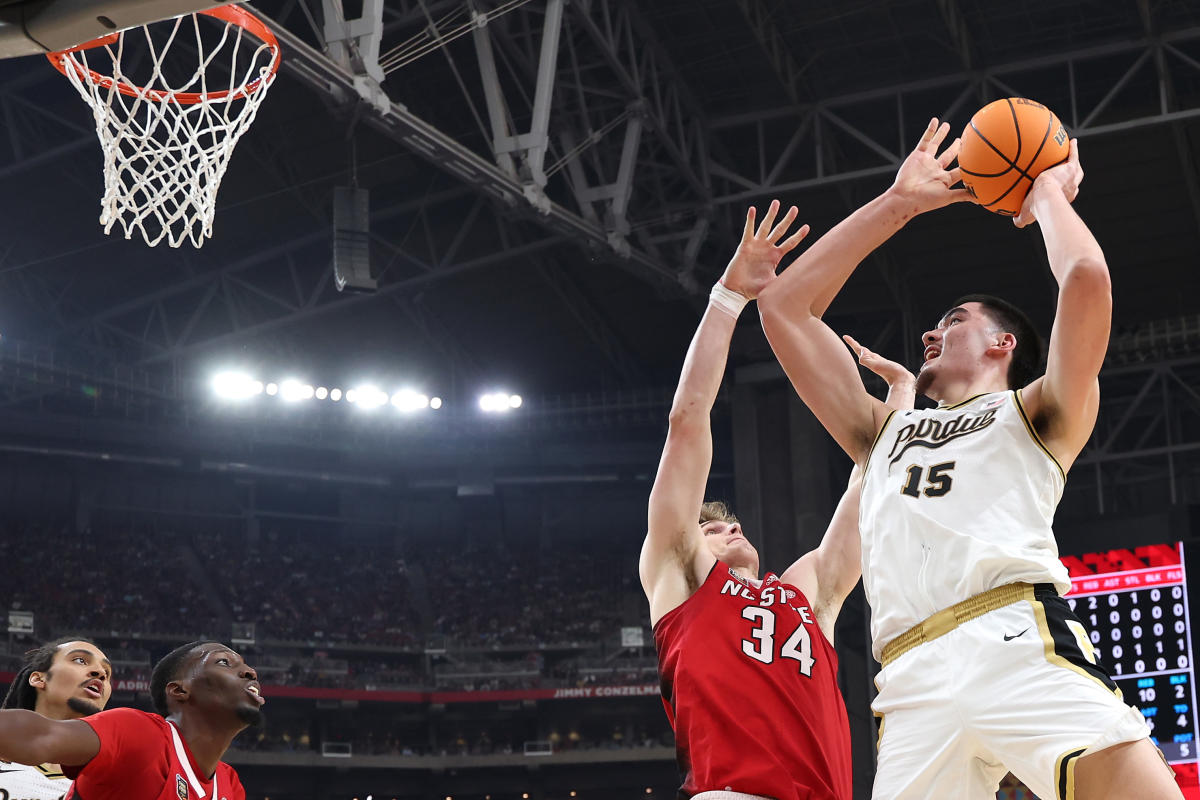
x=727, y=300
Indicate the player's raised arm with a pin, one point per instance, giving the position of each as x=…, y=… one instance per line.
x=30, y=738
x=1064, y=402
x=673, y=555
x=829, y=573
x=810, y=353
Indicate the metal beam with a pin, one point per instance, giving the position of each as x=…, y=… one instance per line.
x=744, y=180
x=449, y=155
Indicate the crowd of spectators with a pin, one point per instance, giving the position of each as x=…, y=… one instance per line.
x=302, y=588
x=128, y=578
x=521, y=616
x=491, y=596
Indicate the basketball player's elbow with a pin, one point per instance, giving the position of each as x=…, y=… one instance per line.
x=1086, y=280
x=689, y=416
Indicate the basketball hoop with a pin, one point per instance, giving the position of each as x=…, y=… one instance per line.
x=167, y=141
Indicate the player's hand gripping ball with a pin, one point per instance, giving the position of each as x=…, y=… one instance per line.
x=1005, y=146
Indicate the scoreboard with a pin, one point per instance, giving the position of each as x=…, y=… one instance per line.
x=1136, y=607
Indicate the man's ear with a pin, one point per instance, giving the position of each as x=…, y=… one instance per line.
x=178, y=691
x=1005, y=343
x=37, y=680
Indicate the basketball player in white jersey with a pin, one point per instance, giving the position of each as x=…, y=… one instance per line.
x=65, y=679
x=985, y=668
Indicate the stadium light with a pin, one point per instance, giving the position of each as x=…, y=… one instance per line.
x=367, y=397
x=499, y=402
x=293, y=391
x=335, y=394
x=407, y=400
x=435, y=403
x=235, y=386
x=272, y=389
x=321, y=393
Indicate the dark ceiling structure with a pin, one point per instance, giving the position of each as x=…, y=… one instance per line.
x=554, y=185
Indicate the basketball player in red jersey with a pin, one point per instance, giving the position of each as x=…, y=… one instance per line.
x=205, y=695
x=64, y=679
x=748, y=671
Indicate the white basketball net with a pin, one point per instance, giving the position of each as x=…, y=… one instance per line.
x=166, y=147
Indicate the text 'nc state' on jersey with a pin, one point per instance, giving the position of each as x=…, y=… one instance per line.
x=774, y=595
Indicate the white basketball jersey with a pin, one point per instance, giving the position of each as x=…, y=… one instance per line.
x=22, y=782
x=955, y=501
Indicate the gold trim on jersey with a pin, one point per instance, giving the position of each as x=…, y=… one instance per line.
x=961, y=403
x=871, y=450
x=52, y=771
x=948, y=619
x=1033, y=433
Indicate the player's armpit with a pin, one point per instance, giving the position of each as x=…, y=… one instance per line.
x=29, y=738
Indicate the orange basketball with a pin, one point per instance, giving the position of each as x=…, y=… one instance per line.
x=1005, y=146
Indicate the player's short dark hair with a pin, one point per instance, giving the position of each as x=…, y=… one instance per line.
x=167, y=670
x=20, y=693
x=715, y=509
x=1028, y=355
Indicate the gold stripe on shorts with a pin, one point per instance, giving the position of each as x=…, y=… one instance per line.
x=1064, y=774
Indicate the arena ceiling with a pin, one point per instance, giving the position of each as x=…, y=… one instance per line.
x=662, y=121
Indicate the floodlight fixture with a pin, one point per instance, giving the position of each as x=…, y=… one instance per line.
x=272, y=389
x=335, y=394
x=435, y=403
x=321, y=393
x=293, y=391
x=368, y=397
x=499, y=402
x=231, y=385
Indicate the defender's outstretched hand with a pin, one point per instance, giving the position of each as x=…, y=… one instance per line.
x=902, y=384
x=757, y=257
x=925, y=178
x=1064, y=177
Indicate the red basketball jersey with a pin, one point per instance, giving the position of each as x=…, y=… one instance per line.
x=749, y=683
x=142, y=757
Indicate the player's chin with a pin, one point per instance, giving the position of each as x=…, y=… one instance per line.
x=252, y=716
x=924, y=380
x=84, y=708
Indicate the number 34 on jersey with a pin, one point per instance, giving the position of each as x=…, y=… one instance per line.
x=769, y=637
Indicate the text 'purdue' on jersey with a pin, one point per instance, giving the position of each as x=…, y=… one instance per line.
x=956, y=500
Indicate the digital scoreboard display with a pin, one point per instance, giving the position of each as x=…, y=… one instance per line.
x=1136, y=607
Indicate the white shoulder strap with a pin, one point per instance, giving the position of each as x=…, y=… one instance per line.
x=187, y=765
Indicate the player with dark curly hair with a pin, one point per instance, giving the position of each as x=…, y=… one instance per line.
x=68, y=678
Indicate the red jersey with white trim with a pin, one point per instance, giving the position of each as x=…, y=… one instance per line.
x=139, y=760
x=749, y=683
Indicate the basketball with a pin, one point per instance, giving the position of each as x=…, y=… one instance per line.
x=1005, y=146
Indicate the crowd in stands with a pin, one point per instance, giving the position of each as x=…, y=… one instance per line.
x=517, y=610
x=380, y=737
x=492, y=596
x=126, y=579
x=301, y=588
x=150, y=579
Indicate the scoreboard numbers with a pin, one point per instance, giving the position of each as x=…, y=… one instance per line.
x=1135, y=609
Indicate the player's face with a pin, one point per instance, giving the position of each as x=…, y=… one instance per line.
x=229, y=683
x=956, y=347
x=78, y=683
x=728, y=543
